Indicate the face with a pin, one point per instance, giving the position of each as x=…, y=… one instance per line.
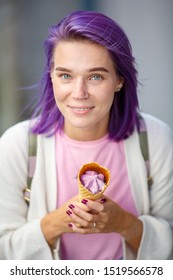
x=84, y=83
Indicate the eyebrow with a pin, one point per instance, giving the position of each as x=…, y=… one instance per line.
x=99, y=69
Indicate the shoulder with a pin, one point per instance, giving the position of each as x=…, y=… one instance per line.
x=15, y=140
x=158, y=130
x=18, y=127
x=160, y=142
x=16, y=132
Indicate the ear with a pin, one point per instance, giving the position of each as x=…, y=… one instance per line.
x=51, y=74
x=119, y=84
x=51, y=70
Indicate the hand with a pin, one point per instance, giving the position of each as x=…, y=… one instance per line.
x=102, y=214
x=56, y=222
x=99, y=217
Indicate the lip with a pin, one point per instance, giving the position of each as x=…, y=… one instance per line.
x=81, y=110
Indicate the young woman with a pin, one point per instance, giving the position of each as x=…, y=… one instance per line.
x=87, y=111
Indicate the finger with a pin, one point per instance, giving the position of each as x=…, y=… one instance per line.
x=94, y=205
x=79, y=216
x=84, y=230
x=103, y=200
x=79, y=204
x=82, y=211
x=71, y=224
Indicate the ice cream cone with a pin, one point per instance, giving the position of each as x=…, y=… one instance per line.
x=93, y=166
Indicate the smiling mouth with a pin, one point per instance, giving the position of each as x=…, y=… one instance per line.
x=81, y=109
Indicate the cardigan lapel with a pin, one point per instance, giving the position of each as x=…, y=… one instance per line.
x=137, y=173
x=44, y=183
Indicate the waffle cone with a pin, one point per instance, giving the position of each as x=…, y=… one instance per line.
x=93, y=166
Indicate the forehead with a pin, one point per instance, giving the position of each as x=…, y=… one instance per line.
x=81, y=52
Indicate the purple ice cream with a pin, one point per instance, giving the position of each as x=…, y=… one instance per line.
x=93, y=181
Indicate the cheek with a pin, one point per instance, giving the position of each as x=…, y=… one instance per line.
x=107, y=99
x=59, y=94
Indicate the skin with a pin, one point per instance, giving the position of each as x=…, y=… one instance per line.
x=85, y=82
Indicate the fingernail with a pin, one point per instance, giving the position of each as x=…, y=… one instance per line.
x=68, y=212
x=103, y=200
x=71, y=206
x=70, y=225
x=84, y=201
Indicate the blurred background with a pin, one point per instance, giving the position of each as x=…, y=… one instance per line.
x=24, y=26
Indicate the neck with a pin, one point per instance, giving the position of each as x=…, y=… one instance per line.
x=85, y=134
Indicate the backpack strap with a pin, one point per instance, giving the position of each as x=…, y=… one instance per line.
x=32, y=151
x=143, y=139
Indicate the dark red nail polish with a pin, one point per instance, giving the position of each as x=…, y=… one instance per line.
x=68, y=212
x=84, y=201
x=71, y=206
x=70, y=225
x=103, y=200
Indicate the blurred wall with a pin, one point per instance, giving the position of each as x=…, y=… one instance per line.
x=148, y=24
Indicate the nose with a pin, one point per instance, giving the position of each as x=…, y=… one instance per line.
x=79, y=90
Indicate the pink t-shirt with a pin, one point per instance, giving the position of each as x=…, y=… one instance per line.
x=71, y=155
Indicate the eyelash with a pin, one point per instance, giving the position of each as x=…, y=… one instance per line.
x=63, y=76
x=95, y=77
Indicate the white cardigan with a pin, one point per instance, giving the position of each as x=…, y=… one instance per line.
x=20, y=232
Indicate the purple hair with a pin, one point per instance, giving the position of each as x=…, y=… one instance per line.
x=102, y=30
